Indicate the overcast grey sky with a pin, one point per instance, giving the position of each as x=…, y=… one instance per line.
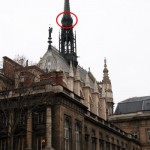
x=116, y=29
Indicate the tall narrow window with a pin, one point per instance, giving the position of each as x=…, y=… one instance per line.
x=148, y=135
x=22, y=118
x=93, y=140
x=107, y=143
x=113, y=144
x=19, y=143
x=118, y=147
x=40, y=142
x=78, y=137
x=67, y=134
x=39, y=117
x=3, y=118
x=101, y=144
x=86, y=138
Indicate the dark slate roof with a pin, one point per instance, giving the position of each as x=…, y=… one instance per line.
x=135, y=104
x=53, y=56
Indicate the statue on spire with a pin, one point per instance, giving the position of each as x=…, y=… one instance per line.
x=50, y=38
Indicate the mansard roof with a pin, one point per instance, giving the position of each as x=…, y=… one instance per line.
x=132, y=105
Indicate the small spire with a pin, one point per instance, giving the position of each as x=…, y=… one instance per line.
x=105, y=71
x=71, y=74
x=87, y=80
x=77, y=74
x=105, y=62
x=105, y=65
x=50, y=38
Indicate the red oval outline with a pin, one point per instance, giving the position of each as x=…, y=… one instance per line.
x=67, y=13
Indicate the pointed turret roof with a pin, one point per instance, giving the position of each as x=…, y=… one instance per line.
x=77, y=74
x=71, y=74
x=105, y=71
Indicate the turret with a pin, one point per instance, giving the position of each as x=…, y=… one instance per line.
x=107, y=90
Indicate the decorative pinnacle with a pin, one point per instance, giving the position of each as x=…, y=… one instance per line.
x=105, y=66
x=50, y=38
x=105, y=63
x=105, y=71
x=71, y=74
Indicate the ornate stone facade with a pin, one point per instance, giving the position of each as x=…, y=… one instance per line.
x=57, y=104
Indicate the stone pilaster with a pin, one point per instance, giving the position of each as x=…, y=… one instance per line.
x=29, y=131
x=48, y=129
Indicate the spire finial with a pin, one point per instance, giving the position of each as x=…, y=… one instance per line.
x=105, y=66
x=105, y=63
x=50, y=38
x=105, y=71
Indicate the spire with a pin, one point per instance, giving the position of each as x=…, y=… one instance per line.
x=50, y=38
x=105, y=71
x=67, y=39
x=67, y=19
x=66, y=6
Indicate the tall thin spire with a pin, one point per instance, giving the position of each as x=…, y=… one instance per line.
x=67, y=39
x=67, y=19
x=66, y=6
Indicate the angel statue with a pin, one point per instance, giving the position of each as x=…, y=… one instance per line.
x=50, y=31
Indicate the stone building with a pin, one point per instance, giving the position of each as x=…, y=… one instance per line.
x=57, y=104
x=133, y=116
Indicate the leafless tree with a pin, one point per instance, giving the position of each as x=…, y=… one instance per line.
x=15, y=105
x=23, y=61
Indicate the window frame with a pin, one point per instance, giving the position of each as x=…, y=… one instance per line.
x=67, y=131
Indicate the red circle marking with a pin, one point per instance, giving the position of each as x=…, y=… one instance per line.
x=68, y=26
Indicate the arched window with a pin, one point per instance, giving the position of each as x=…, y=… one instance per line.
x=78, y=137
x=67, y=134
